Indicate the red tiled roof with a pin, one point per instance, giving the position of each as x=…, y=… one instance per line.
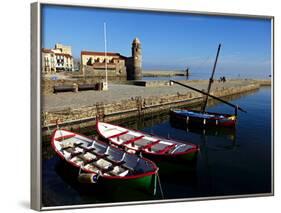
x=45, y=50
x=64, y=54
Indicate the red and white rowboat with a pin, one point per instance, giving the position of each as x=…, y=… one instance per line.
x=135, y=141
x=96, y=159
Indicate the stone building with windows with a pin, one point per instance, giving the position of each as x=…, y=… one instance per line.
x=57, y=59
x=95, y=63
x=48, y=61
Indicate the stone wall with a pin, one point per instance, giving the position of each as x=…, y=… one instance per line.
x=161, y=83
x=264, y=82
x=163, y=73
x=132, y=107
x=47, y=86
x=151, y=83
x=115, y=70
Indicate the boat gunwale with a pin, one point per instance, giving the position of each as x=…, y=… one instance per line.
x=209, y=113
x=154, y=167
x=225, y=122
x=191, y=150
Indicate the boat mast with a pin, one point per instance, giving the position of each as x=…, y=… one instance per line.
x=214, y=97
x=204, y=105
x=105, y=54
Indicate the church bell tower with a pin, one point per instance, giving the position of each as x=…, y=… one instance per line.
x=136, y=72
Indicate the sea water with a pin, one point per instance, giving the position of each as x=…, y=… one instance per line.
x=235, y=162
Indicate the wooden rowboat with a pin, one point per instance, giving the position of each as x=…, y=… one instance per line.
x=182, y=124
x=203, y=118
x=199, y=119
x=98, y=161
x=149, y=145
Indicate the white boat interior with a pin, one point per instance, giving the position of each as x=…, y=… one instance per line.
x=94, y=156
x=139, y=141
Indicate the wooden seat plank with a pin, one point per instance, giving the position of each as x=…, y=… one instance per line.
x=119, y=134
x=166, y=149
x=61, y=138
x=148, y=146
x=132, y=140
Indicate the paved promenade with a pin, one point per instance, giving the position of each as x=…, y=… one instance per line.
x=119, y=92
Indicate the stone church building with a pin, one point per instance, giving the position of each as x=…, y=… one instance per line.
x=94, y=63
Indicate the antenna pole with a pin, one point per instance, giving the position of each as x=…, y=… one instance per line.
x=105, y=54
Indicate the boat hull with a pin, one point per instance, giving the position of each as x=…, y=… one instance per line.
x=177, y=164
x=226, y=120
x=229, y=133
x=146, y=184
x=189, y=157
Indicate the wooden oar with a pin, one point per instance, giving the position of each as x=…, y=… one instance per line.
x=214, y=97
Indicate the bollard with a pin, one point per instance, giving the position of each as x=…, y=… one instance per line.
x=75, y=87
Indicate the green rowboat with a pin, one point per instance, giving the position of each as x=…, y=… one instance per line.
x=100, y=162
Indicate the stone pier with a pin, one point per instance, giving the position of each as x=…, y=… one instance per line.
x=123, y=101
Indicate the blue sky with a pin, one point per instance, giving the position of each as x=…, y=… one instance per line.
x=169, y=40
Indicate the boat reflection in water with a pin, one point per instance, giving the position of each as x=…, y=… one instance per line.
x=229, y=133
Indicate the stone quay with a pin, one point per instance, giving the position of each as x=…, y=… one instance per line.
x=120, y=101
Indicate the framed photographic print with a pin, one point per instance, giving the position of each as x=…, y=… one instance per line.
x=133, y=105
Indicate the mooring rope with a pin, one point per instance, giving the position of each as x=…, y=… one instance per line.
x=49, y=130
x=160, y=186
x=152, y=124
x=80, y=169
x=58, y=128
